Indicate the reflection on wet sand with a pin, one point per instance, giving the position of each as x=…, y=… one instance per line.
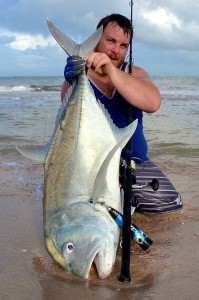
x=168, y=271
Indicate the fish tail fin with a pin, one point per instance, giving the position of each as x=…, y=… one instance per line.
x=70, y=46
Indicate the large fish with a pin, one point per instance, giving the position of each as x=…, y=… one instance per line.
x=81, y=170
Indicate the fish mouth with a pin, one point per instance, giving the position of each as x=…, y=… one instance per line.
x=98, y=257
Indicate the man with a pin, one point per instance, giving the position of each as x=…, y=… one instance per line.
x=116, y=89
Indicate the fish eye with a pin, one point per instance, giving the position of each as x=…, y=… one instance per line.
x=69, y=247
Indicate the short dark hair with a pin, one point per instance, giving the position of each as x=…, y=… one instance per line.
x=121, y=21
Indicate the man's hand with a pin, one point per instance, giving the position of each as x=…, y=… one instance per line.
x=74, y=66
x=99, y=62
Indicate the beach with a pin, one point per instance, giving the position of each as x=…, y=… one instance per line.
x=170, y=270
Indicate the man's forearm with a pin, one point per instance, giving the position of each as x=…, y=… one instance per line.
x=141, y=92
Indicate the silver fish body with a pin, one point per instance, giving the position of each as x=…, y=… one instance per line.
x=81, y=170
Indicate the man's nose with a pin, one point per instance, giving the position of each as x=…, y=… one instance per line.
x=115, y=49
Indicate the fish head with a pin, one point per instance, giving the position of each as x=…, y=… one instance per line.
x=87, y=235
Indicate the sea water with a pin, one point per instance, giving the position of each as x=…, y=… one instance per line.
x=28, y=107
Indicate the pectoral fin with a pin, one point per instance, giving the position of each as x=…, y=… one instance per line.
x=35, y=153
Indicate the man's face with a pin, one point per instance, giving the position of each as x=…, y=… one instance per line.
x=114, y=42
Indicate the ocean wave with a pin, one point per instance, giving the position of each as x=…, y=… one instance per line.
x=33, y=88
x=16, y=88
x=174, y=149
x=46, y=88
x=180, y=95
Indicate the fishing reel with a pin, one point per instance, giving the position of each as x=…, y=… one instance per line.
x=154, y=184
x=136, y=233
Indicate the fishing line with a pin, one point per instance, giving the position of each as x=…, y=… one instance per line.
x=131, y=3
x=45, y=129
x=44, y=135
x=134, y=22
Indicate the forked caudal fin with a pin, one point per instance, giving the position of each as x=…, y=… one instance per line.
x=70, y=46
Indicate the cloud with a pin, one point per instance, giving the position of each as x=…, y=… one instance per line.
x=165, y=31
x=168, y=25
x=23, y=42
x=163, y=23
x=162, y=17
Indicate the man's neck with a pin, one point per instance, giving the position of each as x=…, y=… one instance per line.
x=102, y=82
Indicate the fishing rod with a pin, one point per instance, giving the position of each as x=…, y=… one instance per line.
x=129, y=179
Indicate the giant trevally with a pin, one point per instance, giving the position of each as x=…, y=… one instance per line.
x=81, y=170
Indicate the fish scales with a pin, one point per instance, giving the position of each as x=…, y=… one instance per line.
x=81, y=163
x=78, y=150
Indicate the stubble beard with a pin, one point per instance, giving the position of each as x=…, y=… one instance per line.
x=117, y=62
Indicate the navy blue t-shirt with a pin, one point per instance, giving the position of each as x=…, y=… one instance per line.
x=117, y=108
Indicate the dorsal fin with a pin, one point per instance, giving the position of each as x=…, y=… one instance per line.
x=70, y=46
x=117, y=132
x=101, y=178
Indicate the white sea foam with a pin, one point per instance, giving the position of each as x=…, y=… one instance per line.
x=17, y=88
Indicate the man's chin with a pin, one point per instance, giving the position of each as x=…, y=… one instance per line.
x=116, y=63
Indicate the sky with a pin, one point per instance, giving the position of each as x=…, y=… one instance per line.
x=166, y=34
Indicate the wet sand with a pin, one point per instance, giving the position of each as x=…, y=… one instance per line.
x=169, y=271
